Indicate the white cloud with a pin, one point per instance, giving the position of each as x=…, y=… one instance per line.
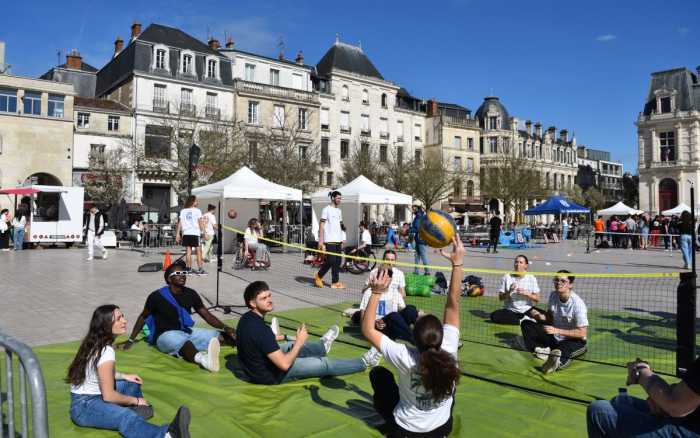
x=605, y=38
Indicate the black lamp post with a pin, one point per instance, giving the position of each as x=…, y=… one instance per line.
x=192, y=164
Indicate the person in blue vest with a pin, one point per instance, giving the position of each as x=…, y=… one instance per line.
x=421, y=255
x=170, y=326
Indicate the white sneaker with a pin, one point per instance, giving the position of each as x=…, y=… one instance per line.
x=210, y=359
x=526, y=318
x=88, y=259
x=275, y=326
x=329, y=337
x=542, y=353
x=553, y=362
x=104, y=255
x=371, y=358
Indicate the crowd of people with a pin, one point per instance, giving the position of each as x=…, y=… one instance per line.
x=13, y=227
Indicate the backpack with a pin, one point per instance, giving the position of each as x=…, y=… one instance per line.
x=184, y=317
x=440, y=286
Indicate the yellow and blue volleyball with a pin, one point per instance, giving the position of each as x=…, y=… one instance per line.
x=437, y=229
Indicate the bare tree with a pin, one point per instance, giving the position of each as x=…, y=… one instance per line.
x=106, y=181
x=513, y=181
x=430, y=180
x=398, y=172
x=363, y=160
x=591, y=198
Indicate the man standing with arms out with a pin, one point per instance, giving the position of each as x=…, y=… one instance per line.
x=191, y=225
x=330, y=238
x=94, y=227
x=167, y=314
x=494, y=232
x=421, y=255
x=265, y=362
x=210, y=227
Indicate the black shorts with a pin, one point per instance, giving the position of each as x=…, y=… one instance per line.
x=189, y=241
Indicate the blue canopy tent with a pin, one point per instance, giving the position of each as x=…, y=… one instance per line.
x=557, y=205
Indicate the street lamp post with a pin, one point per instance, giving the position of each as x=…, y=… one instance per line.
x=193, y=160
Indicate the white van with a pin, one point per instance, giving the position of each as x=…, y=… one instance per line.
x=56, y=213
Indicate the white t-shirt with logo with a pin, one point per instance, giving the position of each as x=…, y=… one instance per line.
x=515, y=301
x=332, y=217
x=211, y=221
x=391, y=300
x=189, y=221
x=569, y=315
x=91, y=384
x=416, y=410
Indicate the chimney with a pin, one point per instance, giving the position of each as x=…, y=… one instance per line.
x=538, y=129
x=564, y=135
x=528, y=127
x=432, y=108
x=229, y=43
x=281, y=56
x=74, y=60
x=300, y=58
x=118, y=45
x=551, y=132
x=135, y=30
x=214, y=44
x=2, y=56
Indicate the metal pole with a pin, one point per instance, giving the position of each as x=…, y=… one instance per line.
x=694, y=244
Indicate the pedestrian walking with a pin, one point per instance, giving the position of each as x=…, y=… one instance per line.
x=94, y=227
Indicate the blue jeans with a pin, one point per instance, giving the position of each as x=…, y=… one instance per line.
x=398, y=324
x=92, y=411
x=421, y=255
x=312, y=362
x=630, y=417
x=564, y=232
x=18, y=238
x=171, y=342
x=686, y=241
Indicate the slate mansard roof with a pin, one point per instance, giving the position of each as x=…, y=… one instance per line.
x=683, y=81
x=492, y=104
x=348, y=58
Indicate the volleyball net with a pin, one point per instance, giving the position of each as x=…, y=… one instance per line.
x=630, y=315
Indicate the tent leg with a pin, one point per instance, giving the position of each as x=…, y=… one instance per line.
x=284, y=225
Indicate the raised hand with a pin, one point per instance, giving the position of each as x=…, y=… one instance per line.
x=380, y=283
x=456, y=257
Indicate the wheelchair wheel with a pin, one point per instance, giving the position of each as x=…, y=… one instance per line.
x=265, y=262
x=240, y=261
x=360, y=266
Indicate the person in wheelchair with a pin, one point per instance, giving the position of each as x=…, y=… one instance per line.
x=365, y=244
x=252, y=245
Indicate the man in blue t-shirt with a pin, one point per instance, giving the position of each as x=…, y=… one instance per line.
x=266, y=362
x=421, y=255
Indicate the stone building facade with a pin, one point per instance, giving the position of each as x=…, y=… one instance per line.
x=668, y=136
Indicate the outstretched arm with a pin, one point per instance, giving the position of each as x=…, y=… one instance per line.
x=215, y=322
x=675, y=400
x=456, y=257
x=379, y=285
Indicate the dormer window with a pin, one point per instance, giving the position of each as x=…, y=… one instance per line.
x=187, y=63
x=160, y=57
x=212, y=68
x=493, y=122
x=665, y=101
x=665, y=104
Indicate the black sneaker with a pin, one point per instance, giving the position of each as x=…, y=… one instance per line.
x=180, y=426
x=143, y=411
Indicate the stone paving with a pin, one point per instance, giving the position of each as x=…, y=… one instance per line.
x=47, y=295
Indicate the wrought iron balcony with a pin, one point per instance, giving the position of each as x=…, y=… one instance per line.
x=384, y=135
x=274, y=91
x=188, y=110
x=161, y=106
x=345, y=130
x=459, y=122
x=212, y=113
x=366, y=133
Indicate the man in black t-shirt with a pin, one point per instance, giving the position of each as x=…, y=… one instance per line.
x=265, y=362
x=173, y=331
x=670, y=410
x=494, y=232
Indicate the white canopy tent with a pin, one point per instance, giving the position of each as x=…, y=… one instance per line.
x=619, y=209
x=358, y=192
x=677, y=210
x=243, y=191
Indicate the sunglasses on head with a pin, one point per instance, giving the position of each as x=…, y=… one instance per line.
x=176, y=273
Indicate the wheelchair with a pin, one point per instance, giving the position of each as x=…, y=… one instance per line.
x=245, y=258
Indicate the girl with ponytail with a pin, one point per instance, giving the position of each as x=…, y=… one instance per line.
x=421, y=404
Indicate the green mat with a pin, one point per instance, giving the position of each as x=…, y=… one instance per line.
x=507, y=397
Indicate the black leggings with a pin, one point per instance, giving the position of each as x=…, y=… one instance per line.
x=386, y=397
x=332, y=262
x=507, y=316
x=535, y=336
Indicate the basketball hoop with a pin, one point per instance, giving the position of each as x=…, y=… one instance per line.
x=203, y=172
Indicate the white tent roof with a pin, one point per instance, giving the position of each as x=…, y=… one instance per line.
x=246, y=184
x=677, y=210
x=618, y=209
x=363, y=191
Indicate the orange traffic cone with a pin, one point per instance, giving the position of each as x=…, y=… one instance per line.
x=166, y=260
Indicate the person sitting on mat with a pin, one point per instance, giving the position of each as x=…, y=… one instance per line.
x=103, y=398
x=167, y=315
x=394, y=318
x=669, y=411
x=520, y=292
x=559, y=335
x=421, y=404
x=266, y=362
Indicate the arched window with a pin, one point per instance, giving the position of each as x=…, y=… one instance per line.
x=346, y=93
x=668, y=194
x=365, y=97
x=384, y=101
x=470, y=189
x=457, y=189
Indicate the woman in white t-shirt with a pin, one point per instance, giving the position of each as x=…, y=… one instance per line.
x=189, y=228
x=428, y=374
x=251, y=236
x=520, y=293
x=105, y=399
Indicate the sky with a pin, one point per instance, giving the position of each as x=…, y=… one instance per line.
x=583, y=66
